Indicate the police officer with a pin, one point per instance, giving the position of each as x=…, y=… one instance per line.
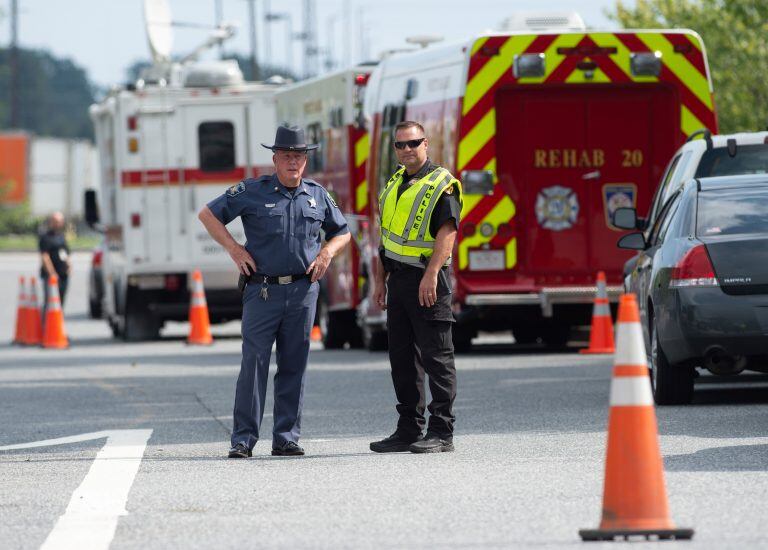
x=420, y=209
x=282, y=261
x=54, y=257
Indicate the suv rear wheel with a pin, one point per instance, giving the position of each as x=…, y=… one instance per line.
x=671, y=384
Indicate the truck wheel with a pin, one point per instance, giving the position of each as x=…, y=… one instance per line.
x=556, y=335
x=671, y=384
x=526, y=335
x=375, y=339
x=140, y=326
x=94, y=309
x=462, y=339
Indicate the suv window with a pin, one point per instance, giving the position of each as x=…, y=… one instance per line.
x=749, y=159
x=732, y=212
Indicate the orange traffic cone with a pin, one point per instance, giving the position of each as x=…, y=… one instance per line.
x=316, y=335
x=601, y=333
x=200, y=323
x=634, y=495
x=34, y=331
x=21, y=313
x=54, y=335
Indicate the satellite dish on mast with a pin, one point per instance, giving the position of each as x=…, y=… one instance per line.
x=157, y=19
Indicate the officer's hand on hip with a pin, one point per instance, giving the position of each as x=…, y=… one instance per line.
x=242, y=259
x=428, y=289
x=318, y=267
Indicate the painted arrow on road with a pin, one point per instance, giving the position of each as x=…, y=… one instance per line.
x=90, y=519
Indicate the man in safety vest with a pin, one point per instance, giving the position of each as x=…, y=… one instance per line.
x=420, y=209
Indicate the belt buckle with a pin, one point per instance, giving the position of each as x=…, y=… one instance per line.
x=285, y=280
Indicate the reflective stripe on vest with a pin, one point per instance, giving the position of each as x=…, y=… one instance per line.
x=405, y=220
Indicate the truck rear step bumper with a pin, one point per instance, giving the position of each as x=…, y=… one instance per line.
x=546, y=298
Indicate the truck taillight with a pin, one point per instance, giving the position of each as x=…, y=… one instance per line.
x=468, y=229
x=694, y=270
x=362, y=79
x=97, y=257
x=132, y=123
x=135, y=219
x=172, y=283
x=133, y=145
x=504, y=230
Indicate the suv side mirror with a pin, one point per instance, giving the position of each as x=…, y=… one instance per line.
x=625, y=218
x=91, y=207
x=633, y=241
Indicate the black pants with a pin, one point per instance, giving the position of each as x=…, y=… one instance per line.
x=420, y=341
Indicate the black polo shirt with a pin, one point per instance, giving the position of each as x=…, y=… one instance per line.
x=446, y=210
x=56, y=246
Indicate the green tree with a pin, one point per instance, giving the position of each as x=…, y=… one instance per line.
x=734, y=33
x=54, y=95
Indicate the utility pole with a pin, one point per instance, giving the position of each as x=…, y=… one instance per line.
x=219, y=19
x=330, y=51
x=252, y=25
x=267, y=36
x=309, y=35
x=347, y=33
x=14, y=66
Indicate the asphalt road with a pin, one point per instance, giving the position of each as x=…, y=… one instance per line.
x=527, y=471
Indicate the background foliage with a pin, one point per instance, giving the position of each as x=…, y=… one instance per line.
x=735, y=34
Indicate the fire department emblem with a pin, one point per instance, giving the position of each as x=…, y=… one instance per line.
x=615, y=196
x=557, y=208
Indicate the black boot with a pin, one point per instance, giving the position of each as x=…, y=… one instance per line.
x=395, y=443
x=433, y=443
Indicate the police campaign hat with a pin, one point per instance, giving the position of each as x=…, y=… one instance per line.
x=290, y=138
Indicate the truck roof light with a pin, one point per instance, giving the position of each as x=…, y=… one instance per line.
x=135, y=219
x=645, y=63
x=362, y=79
x=132, y=123
x=528, y=65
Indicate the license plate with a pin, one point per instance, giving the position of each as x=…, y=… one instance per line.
x=486, y=260
x=151, y=282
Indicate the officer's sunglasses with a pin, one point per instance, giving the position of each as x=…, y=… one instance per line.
x=412, y=143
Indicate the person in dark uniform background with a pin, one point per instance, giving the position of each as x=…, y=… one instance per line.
x=282, y=260
x=420, y=210
x=54, y=256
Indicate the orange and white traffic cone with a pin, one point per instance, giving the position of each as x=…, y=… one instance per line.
x=54, y=335
x=601, y=333
x=316, y=334
x=34, y=331
x=199, y=321
x=22, y=310
x=634, y=495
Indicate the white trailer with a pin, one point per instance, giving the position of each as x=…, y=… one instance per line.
x=165, y=151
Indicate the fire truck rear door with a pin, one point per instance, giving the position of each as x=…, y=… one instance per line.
x=215, y=157
x=569, y=157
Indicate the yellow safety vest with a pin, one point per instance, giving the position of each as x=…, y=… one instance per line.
x=405, y=232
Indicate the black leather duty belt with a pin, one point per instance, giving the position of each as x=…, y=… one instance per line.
x=276, y=280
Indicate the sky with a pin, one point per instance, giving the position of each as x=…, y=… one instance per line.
x=106, y=36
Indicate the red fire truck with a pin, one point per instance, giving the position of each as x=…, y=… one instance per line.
x=549, y=132
x=329, y=107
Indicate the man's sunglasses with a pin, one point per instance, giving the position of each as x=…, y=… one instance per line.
x=412, y=143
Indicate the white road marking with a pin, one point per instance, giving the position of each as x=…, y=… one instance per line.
x=90, y=519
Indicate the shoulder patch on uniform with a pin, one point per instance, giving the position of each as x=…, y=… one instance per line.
x=330, y=198
x=236, y=189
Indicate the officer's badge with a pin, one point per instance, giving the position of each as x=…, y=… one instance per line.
x=557, y=208
x=312, y=202
x=236, y=189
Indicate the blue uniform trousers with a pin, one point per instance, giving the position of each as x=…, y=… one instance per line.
x=287, y=317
